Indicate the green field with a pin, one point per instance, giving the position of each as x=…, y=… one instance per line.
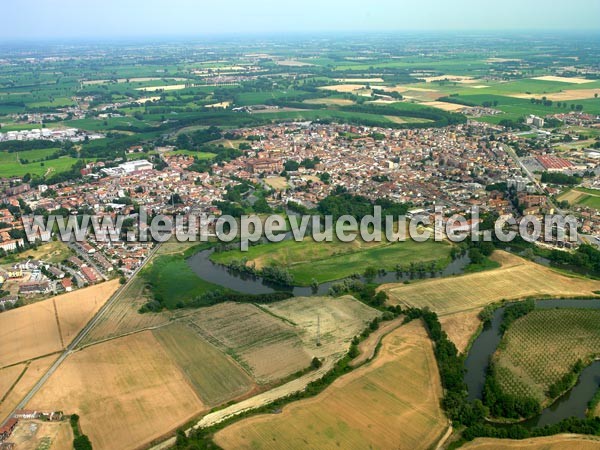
x=10, y=165
x=173, y=282
x=328, y=261
x=540, y=348
x=582, y=197
x=215, y=377
x=199, y=155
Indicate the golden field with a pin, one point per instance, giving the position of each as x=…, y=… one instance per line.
x=392, y=402
x=516, y=279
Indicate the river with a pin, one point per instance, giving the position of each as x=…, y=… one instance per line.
x=248, y=284
x=572, y=404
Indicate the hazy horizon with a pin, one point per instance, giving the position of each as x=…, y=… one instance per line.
x=68, y=19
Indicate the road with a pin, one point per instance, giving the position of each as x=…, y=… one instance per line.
x=82, y=334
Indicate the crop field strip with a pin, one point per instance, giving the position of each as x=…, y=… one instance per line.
x=558, y=442
x=32, y=372
x=339, y=320
x=216, y=378
x=268, y=347
x=516, y=279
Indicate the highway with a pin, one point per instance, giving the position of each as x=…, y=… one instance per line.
x=82, y=334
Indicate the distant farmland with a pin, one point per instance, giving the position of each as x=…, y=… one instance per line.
x=392, y=402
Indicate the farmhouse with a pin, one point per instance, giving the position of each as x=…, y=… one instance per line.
x=7, y=429
x=34, y=287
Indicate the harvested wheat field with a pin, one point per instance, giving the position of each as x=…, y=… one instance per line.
x=267, y=346
x=568, y=94
x=48, y=326
x=445, y=106
x=340, y=320
x=460, y=327
x=216, y=378
x=558, y=442
x=129, y=386
x=123, y=317
x=564, y=79
x=344, y=87
x=8, y=377
x=29, y=332
x=77, y=308
x=39, y=435
x=33, y=372
x=392, y=402
x=329, y=101
x=516, y=279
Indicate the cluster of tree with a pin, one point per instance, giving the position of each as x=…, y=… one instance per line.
x=440, y=118
x=586, y=257
x=380, y=178
x=393, y=94
x=216, y=296
x=560, y=178
x=544, y=101
x=572, y=425
x=363, y=291
x=500, y=186
x=273, y=274
x=341, y=203
x=567, y=381
x=490, y=104
x=451, y=368
x=514, y=124
x=515, y=311
x=308, y=163
x=195, y=140
x=23, y=146
x=223, y=155
x=457, y=100
x=81, y=441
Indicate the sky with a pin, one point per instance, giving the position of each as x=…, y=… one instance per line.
x=59, y=19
